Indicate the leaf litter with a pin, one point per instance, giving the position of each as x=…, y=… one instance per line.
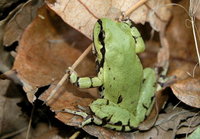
x=48, y=46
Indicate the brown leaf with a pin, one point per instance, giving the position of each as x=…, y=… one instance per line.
x=72, y=12
x=44, y=54
x=189, y=125
x=179, y=35
x=159, y=13
x=6, y=4
x=173, y=119
x=188, y=91
x=154, y=133
x=183, y=57
x=10, y=114
x=16, y=26
x=69, y=97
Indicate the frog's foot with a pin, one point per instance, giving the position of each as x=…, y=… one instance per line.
x=94, y=119
x=113, y=116
x=87, y=118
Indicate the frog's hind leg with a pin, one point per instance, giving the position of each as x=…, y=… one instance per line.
x=112, y=116
x=106, y=114
x=88, y=118
x=147, y=94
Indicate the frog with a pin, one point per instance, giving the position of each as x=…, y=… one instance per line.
x=127, y=89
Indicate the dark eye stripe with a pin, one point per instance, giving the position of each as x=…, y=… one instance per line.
x=101, y=40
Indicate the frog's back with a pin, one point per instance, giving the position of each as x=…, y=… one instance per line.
x=122, y=68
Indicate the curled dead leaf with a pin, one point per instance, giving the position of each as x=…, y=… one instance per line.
x=188, y=91
x=16, y=26
x=72, y=12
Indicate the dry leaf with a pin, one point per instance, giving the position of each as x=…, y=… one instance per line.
x=5, y=61
x=183, y=57
x=186, y=87
x=43, y=58
x=15, y=27
x=188, y=91
x=45, y=51
x=72, y=12
x=173, y=119
x=179, y=35
x=11, y=118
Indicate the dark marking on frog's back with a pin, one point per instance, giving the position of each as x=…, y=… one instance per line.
x=123, y=128
x=108, y=119
x=118, y=123
x=107, y=102
x=104, y=121
x=154, y=85
x=129, y=122
x=144, y=106
x=152, y=98
x=119, y=99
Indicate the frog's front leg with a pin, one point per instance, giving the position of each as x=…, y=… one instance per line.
x=147, y=94
x=85, y=82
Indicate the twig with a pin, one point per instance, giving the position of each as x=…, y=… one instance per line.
x=75, y=135
x=194, y=5
x=134, y=7
x=30, y=122
x=195, y=38
x=9, y=135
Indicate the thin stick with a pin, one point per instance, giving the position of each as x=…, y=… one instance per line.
x=75, y=135
x=194, y=5
x=65, y=77
x=9, y=135
x=134, y=7
x=195, y=39
x=30, y=122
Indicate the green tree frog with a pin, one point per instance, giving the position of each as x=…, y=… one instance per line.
x=127, y=89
